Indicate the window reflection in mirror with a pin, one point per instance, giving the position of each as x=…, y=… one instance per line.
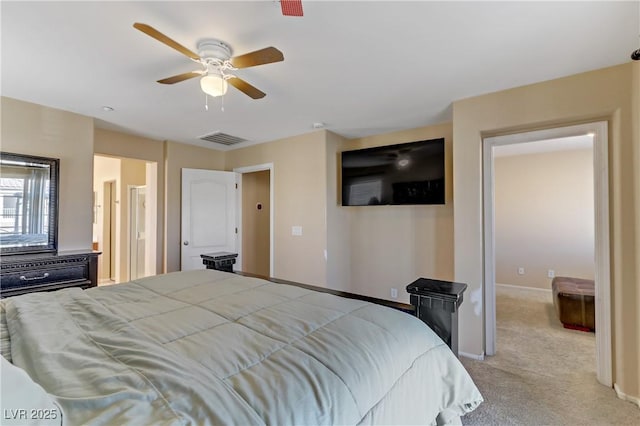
x=28, y=203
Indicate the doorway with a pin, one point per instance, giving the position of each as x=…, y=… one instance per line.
x=598, y=131
x=261, y=257
x=256, y=238
x=125, y=226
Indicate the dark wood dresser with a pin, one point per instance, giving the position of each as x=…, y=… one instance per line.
x=26, y=273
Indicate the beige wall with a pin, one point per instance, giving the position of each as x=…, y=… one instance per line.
x=593, y=96
x=337, y=219
x=299, y=173
x=391, y=246
x=177, y=157
x=255, y=223
x=544, y=217
x=37, y=130
x=369, y=250
x=122, y=145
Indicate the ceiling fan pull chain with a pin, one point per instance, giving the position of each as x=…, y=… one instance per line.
x=222, y=103
x=206, y=102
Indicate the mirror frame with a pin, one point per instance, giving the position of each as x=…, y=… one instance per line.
x=54, y=176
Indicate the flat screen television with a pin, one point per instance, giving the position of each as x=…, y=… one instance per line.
x=408, y=173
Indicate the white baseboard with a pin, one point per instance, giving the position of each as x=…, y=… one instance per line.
x=477, y=357
x=521, y=287
x=626, y=397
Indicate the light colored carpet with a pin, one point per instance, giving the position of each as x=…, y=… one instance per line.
x=542, y=374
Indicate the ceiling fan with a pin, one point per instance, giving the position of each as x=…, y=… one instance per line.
x=215, y=58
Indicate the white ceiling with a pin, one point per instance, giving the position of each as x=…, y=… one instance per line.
x=361, y=67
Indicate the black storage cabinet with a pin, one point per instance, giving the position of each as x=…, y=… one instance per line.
x=220, y=261
x=436, y=304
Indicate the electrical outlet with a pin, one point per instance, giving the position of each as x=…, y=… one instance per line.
x=521, y=271
x=394, y=293
x=296, y=230
x=551, y=273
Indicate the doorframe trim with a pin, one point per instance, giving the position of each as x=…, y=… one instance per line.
x=114, y=252
x=251, y=169
x=130, y=228
x=601, y=244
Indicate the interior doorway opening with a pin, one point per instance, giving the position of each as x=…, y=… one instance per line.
x=128, y=251
x=256, y=238
x=256, y=219
x=598, y=131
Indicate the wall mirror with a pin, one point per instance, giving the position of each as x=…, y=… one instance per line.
x=28, y=203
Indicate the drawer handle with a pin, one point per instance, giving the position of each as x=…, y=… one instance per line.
x=23, y=278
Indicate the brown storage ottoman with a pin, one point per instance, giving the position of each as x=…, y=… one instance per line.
x=574, y=299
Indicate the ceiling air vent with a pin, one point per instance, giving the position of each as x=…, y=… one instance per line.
x=222, y=138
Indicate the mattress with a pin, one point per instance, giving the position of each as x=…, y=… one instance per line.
x=210, y=347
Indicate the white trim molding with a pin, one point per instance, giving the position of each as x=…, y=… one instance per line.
x=477, y=357
x=599, y=133
x=626, y=397
x=521, y=287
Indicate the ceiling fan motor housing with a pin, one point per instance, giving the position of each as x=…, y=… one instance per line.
x=214, y=49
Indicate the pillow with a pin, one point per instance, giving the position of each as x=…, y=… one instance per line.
x=23, y=401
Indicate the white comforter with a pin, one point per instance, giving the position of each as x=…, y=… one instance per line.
x=209, y=347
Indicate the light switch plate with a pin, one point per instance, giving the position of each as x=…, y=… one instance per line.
x=296, y=230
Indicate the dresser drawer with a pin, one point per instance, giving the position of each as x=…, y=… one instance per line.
x=21, y=274
x=48, y=275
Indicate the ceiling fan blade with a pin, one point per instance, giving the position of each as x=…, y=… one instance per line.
x=152, y=32
x=180, y=77
x=291, y=7
x=246, y=88
x=267, y=55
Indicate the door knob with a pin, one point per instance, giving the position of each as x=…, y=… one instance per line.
x=186, y=243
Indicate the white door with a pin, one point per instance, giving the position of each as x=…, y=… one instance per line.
x=208, y=215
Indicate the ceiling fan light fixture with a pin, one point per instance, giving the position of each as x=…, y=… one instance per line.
x=215, y=57
x=214, y=85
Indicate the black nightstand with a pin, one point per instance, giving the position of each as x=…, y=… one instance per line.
x=220, y=261
x=436, y=304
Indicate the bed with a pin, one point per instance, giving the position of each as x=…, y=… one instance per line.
x=211, y=347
